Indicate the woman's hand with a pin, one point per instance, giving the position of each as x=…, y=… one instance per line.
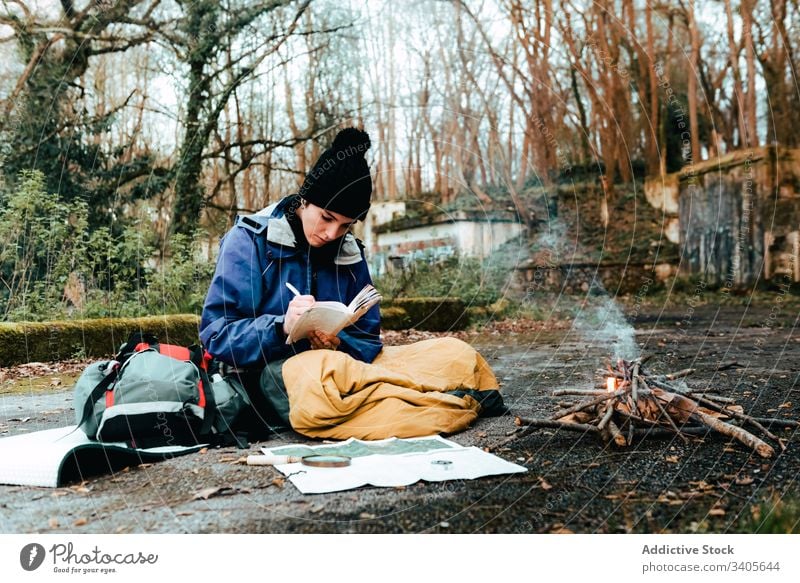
x=319, y=339
x=297, y=306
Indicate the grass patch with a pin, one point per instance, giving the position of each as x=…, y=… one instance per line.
x=773, y=515
x=43, y=384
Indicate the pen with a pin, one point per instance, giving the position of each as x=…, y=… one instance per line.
x=293, y=289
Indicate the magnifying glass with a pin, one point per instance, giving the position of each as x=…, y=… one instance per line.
x=314, y=461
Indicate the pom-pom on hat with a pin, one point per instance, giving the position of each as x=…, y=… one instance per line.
x=340, y=180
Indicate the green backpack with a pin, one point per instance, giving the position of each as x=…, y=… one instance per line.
x=153, y=395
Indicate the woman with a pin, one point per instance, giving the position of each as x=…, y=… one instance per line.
x=302, y=240
x=328, y=386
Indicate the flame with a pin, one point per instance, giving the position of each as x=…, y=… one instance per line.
x=611, y=384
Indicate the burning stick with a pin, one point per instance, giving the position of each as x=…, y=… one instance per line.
x=587, y=404
x=652, y=405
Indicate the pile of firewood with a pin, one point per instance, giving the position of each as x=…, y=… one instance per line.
x=631, y=403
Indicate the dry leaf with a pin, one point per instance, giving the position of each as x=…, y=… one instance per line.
x=279, y=482
x=204, y=450
x=716, y=512
x=559, y=528
x=80, y=522
x=207, y=493
x=544, y=484
x=785, y=405
x=672, y=459
x=53, y=522
x=744, y=480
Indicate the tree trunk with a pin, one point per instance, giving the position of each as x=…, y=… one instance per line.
x=189, y=195
x=737, y=92
x=694, y=71
x=750, y=111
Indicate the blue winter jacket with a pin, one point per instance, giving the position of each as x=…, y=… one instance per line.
x=242, y=322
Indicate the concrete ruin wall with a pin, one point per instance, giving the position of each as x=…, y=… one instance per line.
x=739, y=218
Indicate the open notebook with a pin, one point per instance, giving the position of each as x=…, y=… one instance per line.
x=53, y=457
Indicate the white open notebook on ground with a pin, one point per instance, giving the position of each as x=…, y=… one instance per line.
x=389, y=463
x=57, y=456
x=333, y=317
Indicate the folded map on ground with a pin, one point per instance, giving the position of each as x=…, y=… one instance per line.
x=390, y=463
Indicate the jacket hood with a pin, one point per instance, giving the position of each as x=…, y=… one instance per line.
x=279, y=232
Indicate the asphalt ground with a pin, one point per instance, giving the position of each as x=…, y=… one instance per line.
x=575, y=482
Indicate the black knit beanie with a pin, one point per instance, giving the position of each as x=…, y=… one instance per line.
x=340, y=180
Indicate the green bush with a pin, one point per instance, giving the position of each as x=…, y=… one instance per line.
x=40, y=235
x=53, y=266
x=180, y=286
x=475, y=282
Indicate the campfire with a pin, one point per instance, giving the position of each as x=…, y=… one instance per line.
x=630, y=402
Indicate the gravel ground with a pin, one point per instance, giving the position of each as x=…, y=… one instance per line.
x=574, y=484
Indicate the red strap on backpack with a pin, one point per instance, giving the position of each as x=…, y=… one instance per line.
x=193, y=354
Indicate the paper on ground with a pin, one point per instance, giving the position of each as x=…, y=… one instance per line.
x=45, y=458
x=391, y=470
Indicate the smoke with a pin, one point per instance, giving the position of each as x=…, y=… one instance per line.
x=554, y=238
x=600, y=320
x=602, y=323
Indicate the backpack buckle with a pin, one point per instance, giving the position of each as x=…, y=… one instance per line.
x=111, y=367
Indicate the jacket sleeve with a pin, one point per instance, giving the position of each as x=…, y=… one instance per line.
x=231, y=327
x=362, y=340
